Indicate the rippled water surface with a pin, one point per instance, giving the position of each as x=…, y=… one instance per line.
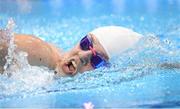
x=134, y=79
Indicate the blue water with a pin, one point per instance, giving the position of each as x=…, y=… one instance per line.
x=134, y=78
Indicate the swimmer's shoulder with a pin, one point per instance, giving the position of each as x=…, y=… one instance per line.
x=26, y=37
x=56, y=49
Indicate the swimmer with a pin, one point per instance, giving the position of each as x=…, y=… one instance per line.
x=93, y=51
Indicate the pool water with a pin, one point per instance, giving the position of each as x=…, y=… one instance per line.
x=134, y=78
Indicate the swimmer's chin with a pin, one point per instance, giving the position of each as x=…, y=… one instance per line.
x=61, y=70
x=59, y=73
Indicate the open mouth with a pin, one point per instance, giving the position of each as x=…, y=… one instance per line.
x=70, y=67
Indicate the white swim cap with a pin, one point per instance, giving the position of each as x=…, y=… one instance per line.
x=116, y=39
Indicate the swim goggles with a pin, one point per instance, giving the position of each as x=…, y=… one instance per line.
x=96, y=59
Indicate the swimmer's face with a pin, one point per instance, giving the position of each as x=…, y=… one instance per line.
x=78, y=60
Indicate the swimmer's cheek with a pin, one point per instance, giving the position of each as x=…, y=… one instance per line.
x=88, y=67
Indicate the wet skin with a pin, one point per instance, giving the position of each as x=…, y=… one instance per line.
x=41, y=53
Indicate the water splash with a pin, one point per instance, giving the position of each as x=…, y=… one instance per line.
x=11, y=46
x=140, y=61
x=19, y=77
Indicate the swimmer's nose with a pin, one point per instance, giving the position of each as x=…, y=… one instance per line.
x=85, y=56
